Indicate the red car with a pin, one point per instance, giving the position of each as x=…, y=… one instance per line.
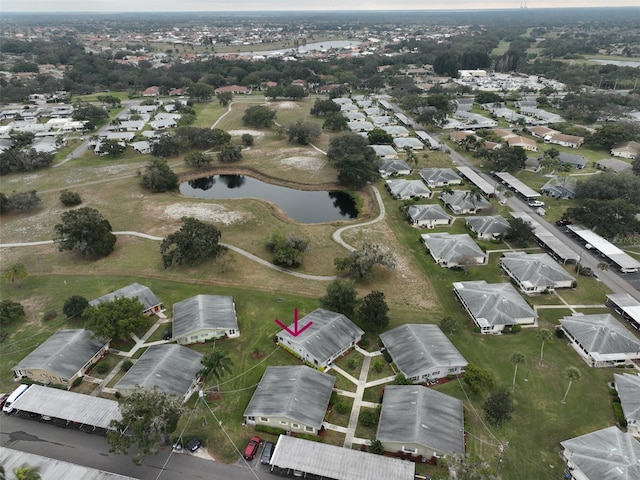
x=251, y=448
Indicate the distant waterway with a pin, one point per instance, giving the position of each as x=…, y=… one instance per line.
x=618, y=63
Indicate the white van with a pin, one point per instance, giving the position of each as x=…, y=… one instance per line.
x=629, y=270
x=7, y=407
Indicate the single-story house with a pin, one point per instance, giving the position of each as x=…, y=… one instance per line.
x=440, y=177
x=535, y=272
x=404, y=189
x=153, y=91
x=494, y=306
x=428, y=216
x=360, y=126
x=233, y=89
x=604, y=454
x=454, y=250
x=540, y=131
x=489, y=227
x=163, y=124
x=394, y=167
x=533, y=164
x=601, y=340
x=614, y=165
x=204, y=317
x=353, y=115
x=150, y=303
x=385, y=152
x=381, y=120
x=131, y=125
x=63, y=357
x=342, y=100
x=329, y=336
x=422, y=352
x=420, y=421
x=628, y=150
x=572, y=141
x=560, y=187
x=572, y=160
x=396, y=130
x=348, y=107
x=120, y=136
x=464, y=202
x=293, y=398
x=408, y=142
x=522, y=142
x=628, y=387
x=171, y=368
x=373, y=111
x=141, y=147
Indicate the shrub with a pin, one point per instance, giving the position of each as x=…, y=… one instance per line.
x=516, y=328
x=559, y=333
x=334, y=398
x=49, y=315
x=378, y=366
x=272, y=430
x=617, y=409
x=387, y=356
x=76, y=382
x=102, y=368
x=342, y=408
x=247, y=139
x=69, y=199
x=367, y=418
x=351, y=364
x=126, y=365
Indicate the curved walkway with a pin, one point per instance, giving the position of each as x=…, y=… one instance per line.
x=337, y=235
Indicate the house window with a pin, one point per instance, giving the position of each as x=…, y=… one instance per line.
x=251, y=419
x=263, y=419
x=410, y=450
x=295, y=425
x=308, y=429
x=282, y=422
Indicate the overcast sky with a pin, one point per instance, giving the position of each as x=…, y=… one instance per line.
x=255, y=5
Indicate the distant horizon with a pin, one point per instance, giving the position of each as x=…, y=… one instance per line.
x=251, y=6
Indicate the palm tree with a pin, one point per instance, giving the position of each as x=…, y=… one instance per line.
x=411, y=157
x=16, y=273
x=474, y=194
x=216, y=364
x=516, y=358
x=572, y=374
x=604, y=266
x=26, y=472
x=545, y=335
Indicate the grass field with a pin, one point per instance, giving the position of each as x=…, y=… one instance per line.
x=418, y=291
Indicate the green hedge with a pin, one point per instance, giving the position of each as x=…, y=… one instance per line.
x=617, y=409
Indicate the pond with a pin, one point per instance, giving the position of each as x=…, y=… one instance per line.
x=300, y=205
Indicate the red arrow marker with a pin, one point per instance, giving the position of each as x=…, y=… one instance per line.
x=295, y=332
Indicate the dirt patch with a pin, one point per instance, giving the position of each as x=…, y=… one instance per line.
x=239, y=133
x=205, y=212
x=287, y=105
x=304, y=163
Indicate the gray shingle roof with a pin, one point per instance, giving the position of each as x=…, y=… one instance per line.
x=63, y=353
x=430, y=211
x=204, y=312
x=416, y=414
x=330, y=461
x=415, y=348
x=535, y=269
x=489, y=225
x=606, y=454
x=299, y=392
x=329, y=334
x=389, y=167
x=408, y=188
x=172, y=368
x=628, y=387
x=451, y=247
x=384, y=151
x=493, y=303
x=601, y=334
x=144, y=294
x=439, y=175
x=461, y=200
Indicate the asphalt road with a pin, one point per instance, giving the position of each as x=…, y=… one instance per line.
x=91, y=450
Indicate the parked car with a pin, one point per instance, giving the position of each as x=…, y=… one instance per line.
x=251, y=448
x=267, y=451
x=194, y=444
x=536, y=203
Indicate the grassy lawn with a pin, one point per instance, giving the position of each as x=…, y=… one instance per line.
x=341, y=419
x=385, y=369
x=418, y=291
x=373, y=394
